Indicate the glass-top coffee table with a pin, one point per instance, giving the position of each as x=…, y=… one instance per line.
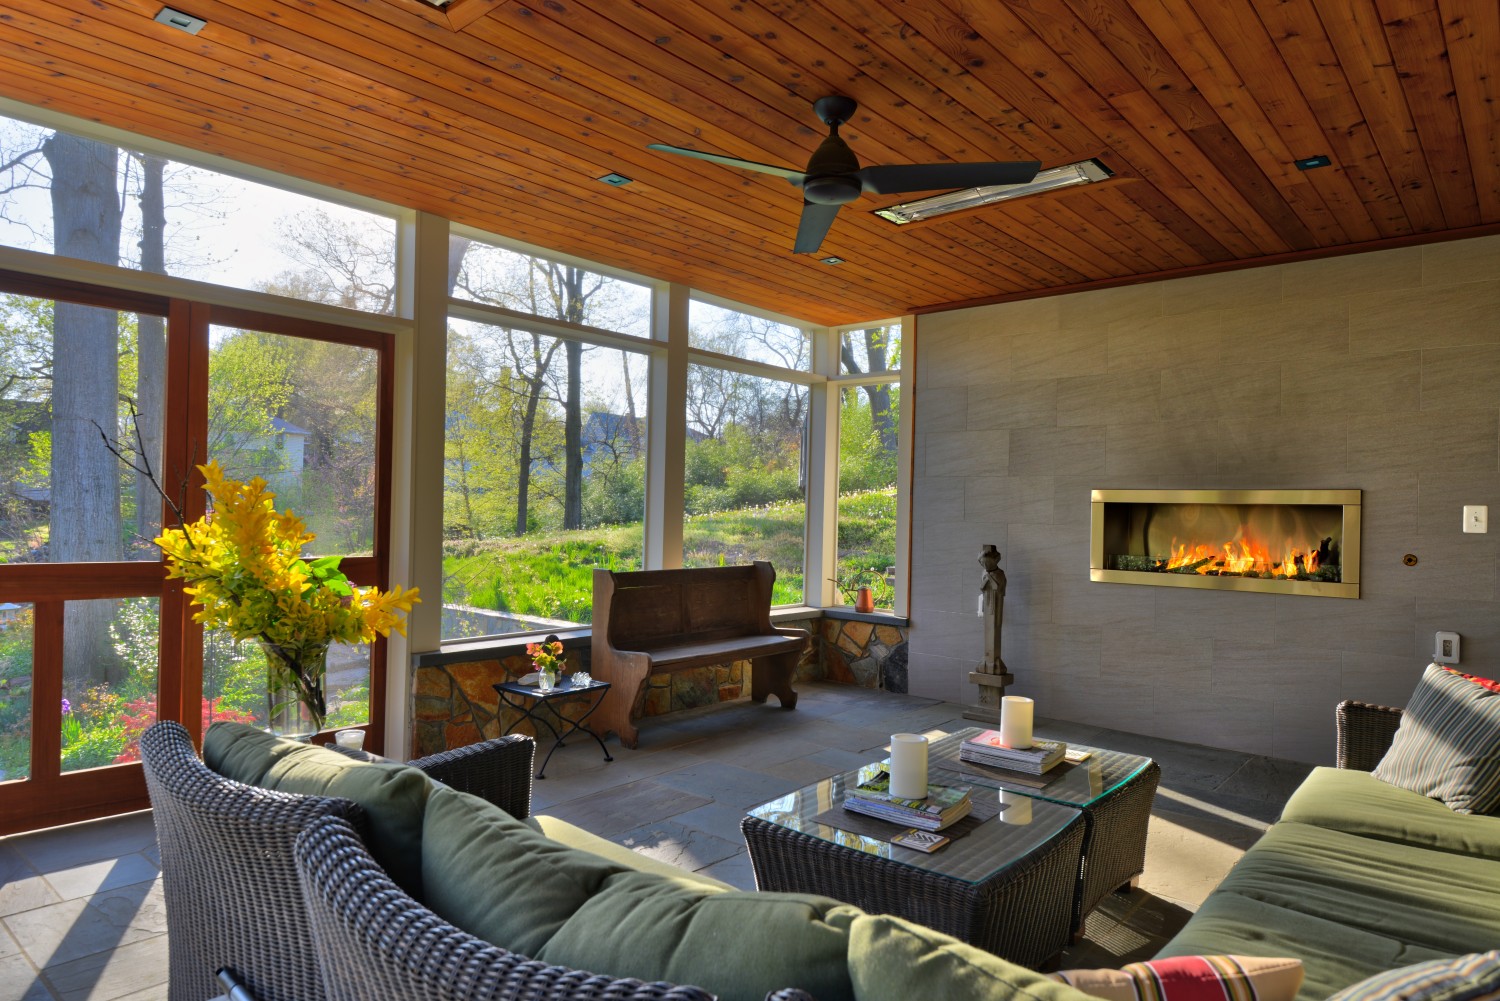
x=1006, y=882
x=1112, y=788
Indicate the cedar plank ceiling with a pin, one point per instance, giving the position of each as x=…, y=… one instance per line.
x=501, y=114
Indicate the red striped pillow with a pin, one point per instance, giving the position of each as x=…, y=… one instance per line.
x=1193, y=978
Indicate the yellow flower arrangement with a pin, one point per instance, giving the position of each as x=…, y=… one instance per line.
x=244, y=569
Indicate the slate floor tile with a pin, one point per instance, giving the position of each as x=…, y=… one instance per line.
x=85, y=880
x=72, y=929
x=20, y=981
x=676, y=843
x=130, y=970
x=78, y=844
x=620, y=809
x=21, y=886
x=718, y=781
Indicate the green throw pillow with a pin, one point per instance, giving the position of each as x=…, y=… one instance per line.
x=738, y=945
x=494, y=877
x=1448, y=744
x=891, y=959
x=393, y=796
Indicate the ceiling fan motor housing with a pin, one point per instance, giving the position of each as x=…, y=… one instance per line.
x=831, y=175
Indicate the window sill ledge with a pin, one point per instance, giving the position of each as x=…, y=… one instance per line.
x=492, y=647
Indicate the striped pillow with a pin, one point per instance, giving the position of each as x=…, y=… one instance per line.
x=1192, y=978
x=1463, y=978
x=1448, y=744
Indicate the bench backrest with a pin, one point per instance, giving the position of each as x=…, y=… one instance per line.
x=645, y=609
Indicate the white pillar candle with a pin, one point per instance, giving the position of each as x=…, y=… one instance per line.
x=909, y=766
x=351, y=738
x=1015, y=721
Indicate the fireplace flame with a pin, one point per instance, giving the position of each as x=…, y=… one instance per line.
x=1244, y=557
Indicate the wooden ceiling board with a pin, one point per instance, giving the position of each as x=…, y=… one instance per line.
x=501, y=115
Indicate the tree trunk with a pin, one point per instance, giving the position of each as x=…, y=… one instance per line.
x=151, y=352
x=85, y=482
x=573, y=440
x=574, y=301
x=632, y=427
x=523, y=477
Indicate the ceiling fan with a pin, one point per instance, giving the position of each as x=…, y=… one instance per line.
x=833, y=177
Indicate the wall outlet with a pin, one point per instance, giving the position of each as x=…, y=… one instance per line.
x=1476, y=518
x=1445, y=650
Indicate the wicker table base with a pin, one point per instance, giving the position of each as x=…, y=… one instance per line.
x=1019, y=907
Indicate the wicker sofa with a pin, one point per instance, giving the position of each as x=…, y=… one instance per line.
x=1357, y=877
x=305, y=883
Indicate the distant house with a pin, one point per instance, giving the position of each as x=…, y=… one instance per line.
x=611, y=437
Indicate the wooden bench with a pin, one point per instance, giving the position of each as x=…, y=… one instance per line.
x=653, y=621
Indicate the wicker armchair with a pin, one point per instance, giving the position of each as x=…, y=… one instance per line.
x=1364, y=733
x=374, y=941
x=232, y=896
x=497, y=770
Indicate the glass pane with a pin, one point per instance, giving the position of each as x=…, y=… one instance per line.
x=301, y=415
x=71, y=375
x=500, y=277
x=754, y=338
x=869, y=417
x=870, y=349
x=16, y=633
x=172, y=218
x=746, y=483
x=234, y=682
x=109, y=679
x=529, y=510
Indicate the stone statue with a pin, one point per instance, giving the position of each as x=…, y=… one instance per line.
x=992, y=607
x=991, y=676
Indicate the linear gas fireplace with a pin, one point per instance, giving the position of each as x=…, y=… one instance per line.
x=1277, y=541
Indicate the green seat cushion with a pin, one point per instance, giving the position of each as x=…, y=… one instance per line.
x=393, y=796
x=891, y=959
x=1355, y=802
x=1333, y=954
x=577, y=837
x=1347, y=905
x=494, y=877
x=736, y=944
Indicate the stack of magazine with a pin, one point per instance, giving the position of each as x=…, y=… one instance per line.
x=943, y=805
x=986, y=749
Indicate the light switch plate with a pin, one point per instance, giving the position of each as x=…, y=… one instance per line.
x=1476, y=518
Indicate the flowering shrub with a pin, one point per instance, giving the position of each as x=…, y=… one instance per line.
x=141, y=713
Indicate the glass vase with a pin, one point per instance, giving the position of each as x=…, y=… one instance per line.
x=546, y=681
x=294, y=685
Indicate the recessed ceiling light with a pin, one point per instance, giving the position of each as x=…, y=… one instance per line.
x=830, y=260
x=177, y=19
x=1309, y=162
x=615, y=180
x=1084, y=172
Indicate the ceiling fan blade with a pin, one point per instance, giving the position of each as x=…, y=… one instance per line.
x=900, y=178
x=795, y=176
x=816, y=219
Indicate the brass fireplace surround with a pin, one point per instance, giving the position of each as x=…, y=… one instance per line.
x=1106, y=525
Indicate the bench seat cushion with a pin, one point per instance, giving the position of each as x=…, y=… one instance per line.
x=720, y=651
x=1348, y=905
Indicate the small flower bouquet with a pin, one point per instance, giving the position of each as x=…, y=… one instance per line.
x=547, y=658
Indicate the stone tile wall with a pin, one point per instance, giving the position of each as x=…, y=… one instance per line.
x=1376, y=371
x=456, y=704
x=870, y=655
